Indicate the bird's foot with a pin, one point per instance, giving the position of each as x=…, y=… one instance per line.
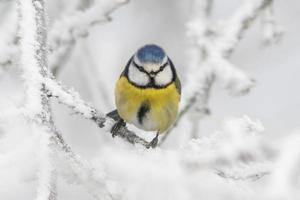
x=116, y=127
x=153, y=142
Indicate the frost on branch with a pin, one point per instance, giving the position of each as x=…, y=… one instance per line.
x=235, y=162
x=33, y=63
x=236, y=152
x=73, y=100
x=272, y=32
x=212, y=44
x=74, y=25
x=226, y=163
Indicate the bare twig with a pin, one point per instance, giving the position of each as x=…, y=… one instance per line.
x=251, y=177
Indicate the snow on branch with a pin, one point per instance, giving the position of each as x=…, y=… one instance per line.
x=212, y=44
x=33, y=57
x=33, y=63
x=236, y=152
x=272, y=32
x=67, y=30
x=79, y=170
x=73, y=100
x=46, y=174
x=234, y=28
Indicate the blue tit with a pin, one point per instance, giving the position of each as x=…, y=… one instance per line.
x=148, y=91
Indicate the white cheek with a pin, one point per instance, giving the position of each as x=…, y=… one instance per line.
x=137, y=76
x=164, y=77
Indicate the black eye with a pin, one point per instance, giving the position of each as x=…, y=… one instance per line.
x=162, y=67
x=141, y=68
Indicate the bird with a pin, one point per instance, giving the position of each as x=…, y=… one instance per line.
x=147, y=93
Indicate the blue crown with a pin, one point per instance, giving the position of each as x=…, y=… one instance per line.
x=150, y=53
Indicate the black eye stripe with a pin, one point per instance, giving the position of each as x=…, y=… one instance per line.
x=162, y=67
x=141, y=69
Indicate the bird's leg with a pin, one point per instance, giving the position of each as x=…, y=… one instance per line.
x=115, y=129
x=154, y=142
x=119, y=122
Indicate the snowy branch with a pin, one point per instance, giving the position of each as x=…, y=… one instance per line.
x=238, y=153
x=33, y=62
x=37, y=105
x=66, y=31
x=213, y=43
x=90, y=178
x=73, y=101
x=234, y=29
x=272, y=32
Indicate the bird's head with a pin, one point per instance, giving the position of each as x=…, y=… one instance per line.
x=150, y=67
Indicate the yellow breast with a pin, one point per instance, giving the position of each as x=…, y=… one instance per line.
x=163, y=105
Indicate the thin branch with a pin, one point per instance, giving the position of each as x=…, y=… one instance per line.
x=37, y=107
x=212, y=48
x=272, y=32
x=251, y=177
x=85, y=175
x=72, y=99
x=189, y=102
x=66, y=31
x=33, y=62
x=239, y=23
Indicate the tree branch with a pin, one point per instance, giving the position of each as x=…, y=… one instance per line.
x=211, y=49
x=37, y=106
x=272, y=32
x=66, y=31
x=72, y=99
x=236, y=26
x=91, y=179
x=33, y=62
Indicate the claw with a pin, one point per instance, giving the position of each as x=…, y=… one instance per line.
x=114, y=130
x=153, y=143
x=119, y=122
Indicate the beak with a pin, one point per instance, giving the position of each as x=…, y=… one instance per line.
x=152, y=74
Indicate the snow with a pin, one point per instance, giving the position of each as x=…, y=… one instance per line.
x=69, y=97
x=239, y=160
x=76, y=24
x=28, y=62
